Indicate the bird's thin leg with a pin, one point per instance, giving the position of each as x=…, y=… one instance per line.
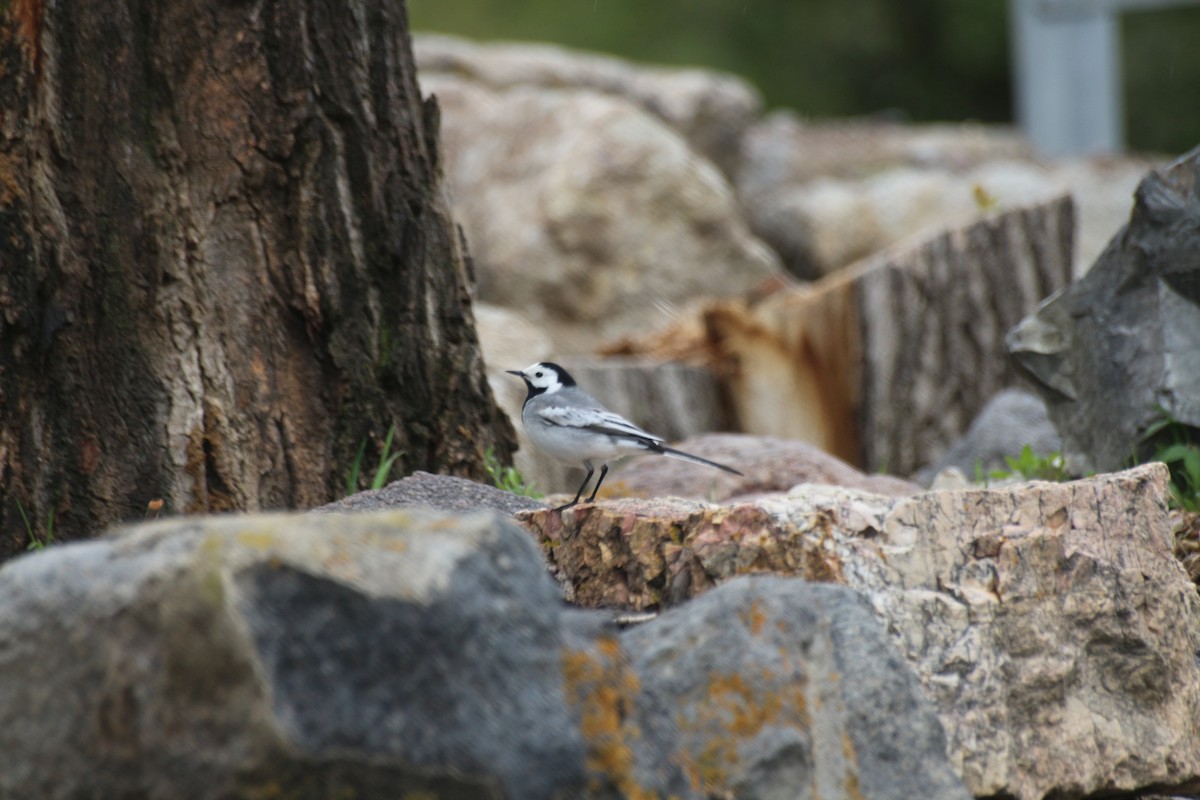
x=582, y=486
x=600, y=480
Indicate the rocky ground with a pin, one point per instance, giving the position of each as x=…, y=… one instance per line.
x=827, y=640
x=807, y=629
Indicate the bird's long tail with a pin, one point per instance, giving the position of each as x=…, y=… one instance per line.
x=682, y=456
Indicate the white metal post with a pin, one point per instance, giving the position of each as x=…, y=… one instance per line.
x=1068, y=76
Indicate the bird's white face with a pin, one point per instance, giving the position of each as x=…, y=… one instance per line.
x=544, y=377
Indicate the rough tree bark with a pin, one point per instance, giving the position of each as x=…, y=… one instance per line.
x=225, y=261
x=885, y=363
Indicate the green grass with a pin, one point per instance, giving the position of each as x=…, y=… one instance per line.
x=1175, y=444
x=1034, y=467
x=1029, y=466
x=508, y=478
x=1168, y=440
x=387, y=459
x=36, y=541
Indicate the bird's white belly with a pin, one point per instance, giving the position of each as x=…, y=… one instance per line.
x=577, y=446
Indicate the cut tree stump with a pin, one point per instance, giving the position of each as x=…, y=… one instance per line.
x=884, y=364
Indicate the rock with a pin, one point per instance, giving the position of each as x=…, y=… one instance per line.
x=1124, y=340
x=1012, y=419
x=826, y=194
x=711, y=109
x=438, y=492
x=781, y=148
x=1057, y=629
x=251, y=656
x=414, y=654
x=1050, y=623
x=886, y=364
x=775, y=688
x=585, y=213
x=767, y=464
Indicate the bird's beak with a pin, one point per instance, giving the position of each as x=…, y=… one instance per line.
x=516, y=372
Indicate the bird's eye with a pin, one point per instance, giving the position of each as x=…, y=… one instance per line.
x=537, y=374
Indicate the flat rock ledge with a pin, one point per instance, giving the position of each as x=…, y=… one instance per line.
x=1050, y=623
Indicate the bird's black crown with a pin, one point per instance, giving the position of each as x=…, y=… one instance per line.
x=564, y=377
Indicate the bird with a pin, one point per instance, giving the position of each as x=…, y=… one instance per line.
x=569, y=425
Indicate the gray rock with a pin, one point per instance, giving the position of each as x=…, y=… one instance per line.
x=775, y=688
x=439, y=492
x=1012, y=419
x=415, y=654
x=1125, y=338
x=305, y=655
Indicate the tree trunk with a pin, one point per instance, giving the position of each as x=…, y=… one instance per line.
x=886, y=363
x=226, y=262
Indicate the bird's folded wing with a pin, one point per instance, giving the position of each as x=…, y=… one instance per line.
x=597, y=420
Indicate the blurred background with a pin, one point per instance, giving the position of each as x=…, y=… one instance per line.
x=916, y=60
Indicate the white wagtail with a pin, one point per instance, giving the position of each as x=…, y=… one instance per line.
x=570, y=425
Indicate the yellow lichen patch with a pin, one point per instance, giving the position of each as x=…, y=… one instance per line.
x=853, y=790
x=259, y=540
x=754, y=617
x=733, y=711
x=208, y=571
x=602, y=688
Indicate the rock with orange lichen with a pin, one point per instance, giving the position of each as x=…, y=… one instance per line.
x=1050, y=623
x=373, y=655
x=413, y=654
x=769, y=687
x=765, y=687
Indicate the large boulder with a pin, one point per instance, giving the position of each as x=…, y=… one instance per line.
x=406, y=654
x=825, y=194
x=587, y=214
x=1121, y=346
x=1050, y=623
x=774, y=688
x=304, y=656
x=712, y=110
